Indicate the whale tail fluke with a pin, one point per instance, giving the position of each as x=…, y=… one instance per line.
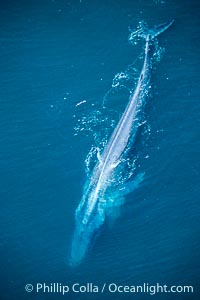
x=146, y=33
x=155, y=31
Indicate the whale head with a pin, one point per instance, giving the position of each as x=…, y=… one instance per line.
x=87, y=227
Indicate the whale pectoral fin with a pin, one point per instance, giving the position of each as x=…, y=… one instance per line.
x=130, y=186
x=113, y=210
x=101, y=212
x=116, y=199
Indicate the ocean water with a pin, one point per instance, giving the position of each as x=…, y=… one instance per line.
x=58, y=61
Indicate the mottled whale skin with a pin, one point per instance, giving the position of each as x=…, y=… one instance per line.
x=91, y=212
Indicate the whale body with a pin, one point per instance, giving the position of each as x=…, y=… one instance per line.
x=90, y=214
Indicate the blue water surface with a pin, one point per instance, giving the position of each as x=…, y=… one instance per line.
x=55, y=54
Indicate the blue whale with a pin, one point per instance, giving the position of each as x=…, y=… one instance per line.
x=90, y=214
